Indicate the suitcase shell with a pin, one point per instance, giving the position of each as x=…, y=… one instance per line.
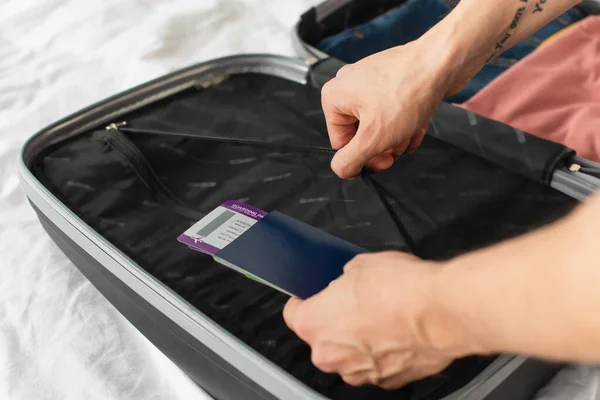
x=220, y=363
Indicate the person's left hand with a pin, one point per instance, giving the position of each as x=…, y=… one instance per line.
x=368, y=325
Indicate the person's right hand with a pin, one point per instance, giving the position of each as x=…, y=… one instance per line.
x=379, y=108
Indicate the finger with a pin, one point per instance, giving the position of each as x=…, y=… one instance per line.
x=309, y=317
x=357, y=262
x=364, y=146
x=358, y=379
x=404, y=378
x=380, y=162
x=290, y=312
x=331, y=357
x=417, y=140
x=339, y=116
x=394, y=382
x=387, y=159
x=400, y=380
x=401, y=148
x=345, y=69
x=341, y=128
x=414, y=374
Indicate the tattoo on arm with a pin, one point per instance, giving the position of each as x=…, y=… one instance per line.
x=499, y=48
x=538, y=6
x=517, y=17
x=490, y=58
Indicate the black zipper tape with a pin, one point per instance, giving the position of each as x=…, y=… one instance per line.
x=376, y=187
x=120, y=143
x=116, y=138
x=227, y=140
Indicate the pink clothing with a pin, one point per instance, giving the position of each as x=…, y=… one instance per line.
x=554, y=92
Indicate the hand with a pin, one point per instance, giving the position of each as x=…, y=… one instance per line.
x=379, y=108
x=367, y=325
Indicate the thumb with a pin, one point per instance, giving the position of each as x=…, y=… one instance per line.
x=364, y=146
x=290, y=311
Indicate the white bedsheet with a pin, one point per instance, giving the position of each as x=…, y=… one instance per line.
x=59, y=338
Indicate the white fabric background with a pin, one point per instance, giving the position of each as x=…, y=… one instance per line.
x=59, y=338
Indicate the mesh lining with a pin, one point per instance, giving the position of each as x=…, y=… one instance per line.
x=446, y=200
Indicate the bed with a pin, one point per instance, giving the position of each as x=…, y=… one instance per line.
x=59, y=338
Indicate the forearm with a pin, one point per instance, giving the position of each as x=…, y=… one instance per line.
x=537, y=295
x=477, y=31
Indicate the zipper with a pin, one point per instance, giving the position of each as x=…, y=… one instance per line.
x=286, y=148
x=134, y=157
x=144, y=170
x=378, y=190
x=116, y=125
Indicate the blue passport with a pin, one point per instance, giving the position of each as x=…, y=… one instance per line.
x=287, y=254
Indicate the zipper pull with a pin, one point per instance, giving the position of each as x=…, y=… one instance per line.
x=115, y=126
x=213, y=81
x=312, y=60
x=574, y=167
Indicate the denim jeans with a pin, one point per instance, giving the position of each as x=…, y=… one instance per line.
x=415, y=17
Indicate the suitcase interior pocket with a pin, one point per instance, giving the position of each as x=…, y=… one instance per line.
x=263, y=140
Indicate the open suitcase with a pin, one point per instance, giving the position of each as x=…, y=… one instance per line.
x=114, y=196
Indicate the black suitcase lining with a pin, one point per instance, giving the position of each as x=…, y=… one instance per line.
x=444, y=201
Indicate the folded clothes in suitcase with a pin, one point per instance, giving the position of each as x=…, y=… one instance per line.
x=408, y=21
x=353, y=30
x=525, y=96
x=116, y=183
